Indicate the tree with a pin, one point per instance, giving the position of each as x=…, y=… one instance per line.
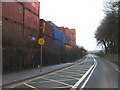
x=107, y=32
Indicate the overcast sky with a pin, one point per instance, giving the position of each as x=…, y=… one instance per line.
x=83, y=15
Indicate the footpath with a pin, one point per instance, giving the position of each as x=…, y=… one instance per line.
x=27, y=74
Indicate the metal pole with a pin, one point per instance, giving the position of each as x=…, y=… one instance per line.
x=41, y=58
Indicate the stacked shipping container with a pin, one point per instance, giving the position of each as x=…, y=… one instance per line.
x=59, y=39
x=73, y=32
x=46, y=32
x=70, y=35
x=22, y=16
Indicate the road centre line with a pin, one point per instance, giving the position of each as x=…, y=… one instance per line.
x=82, y=78
x=89, y=75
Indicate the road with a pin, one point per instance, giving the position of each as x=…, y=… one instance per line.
x=93, y=72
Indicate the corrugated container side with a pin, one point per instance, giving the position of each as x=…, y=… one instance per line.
x=59, y=38
x=48, y=29
x=6, y=24
x=57, y=43
x=33, y=6
x=13, y=10
x=45, y=27
x=10, y=28
x=48, y=42
x=67, y=34
x=51, y=23
x=68, y=47
x=31, y=20
x=73, y=31
x=27, y=32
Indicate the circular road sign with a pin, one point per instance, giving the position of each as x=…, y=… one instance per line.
x=41, y=41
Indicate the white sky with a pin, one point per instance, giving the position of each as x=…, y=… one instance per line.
x=83, y=15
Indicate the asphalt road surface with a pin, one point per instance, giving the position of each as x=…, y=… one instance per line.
x=104, y=76
x=91, y=73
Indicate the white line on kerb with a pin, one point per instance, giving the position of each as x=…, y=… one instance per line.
x=84, y=76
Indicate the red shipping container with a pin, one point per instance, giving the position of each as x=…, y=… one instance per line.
x=73, y=33
x=13, y=10
x=67, y=34
x=6, y=24
x=31, y=20
x=45, y=27
x=27, y=33
x=32, y=5
x=12, y=32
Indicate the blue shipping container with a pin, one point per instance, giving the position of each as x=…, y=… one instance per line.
x=59, y=38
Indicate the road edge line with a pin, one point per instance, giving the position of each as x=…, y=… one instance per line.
x=82, y=78
x=89, y=74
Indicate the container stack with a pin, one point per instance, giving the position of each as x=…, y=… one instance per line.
x=73, y=31
x=70, y=35
x=21, y=29
x=20, y=18
x=46, y=33
x=59, y=39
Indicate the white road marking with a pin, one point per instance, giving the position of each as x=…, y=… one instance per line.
x=83, y=77
x=89, y=74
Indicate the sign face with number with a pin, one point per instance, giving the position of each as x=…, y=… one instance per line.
x=41, y=41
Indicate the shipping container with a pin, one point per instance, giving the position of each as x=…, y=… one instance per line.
x=73, y=37
x=73, y=31
x=48, y=42
x=32, y=5
x=51, y=23
x=13, y=11
x=59, y=38
x=9, y=25
x=68, y=47
x=45, y=27
x=31, y=20
x=67, y=34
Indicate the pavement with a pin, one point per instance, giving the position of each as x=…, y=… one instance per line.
x=27, y=74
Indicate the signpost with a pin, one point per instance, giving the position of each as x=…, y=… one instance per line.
x=41, y=42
